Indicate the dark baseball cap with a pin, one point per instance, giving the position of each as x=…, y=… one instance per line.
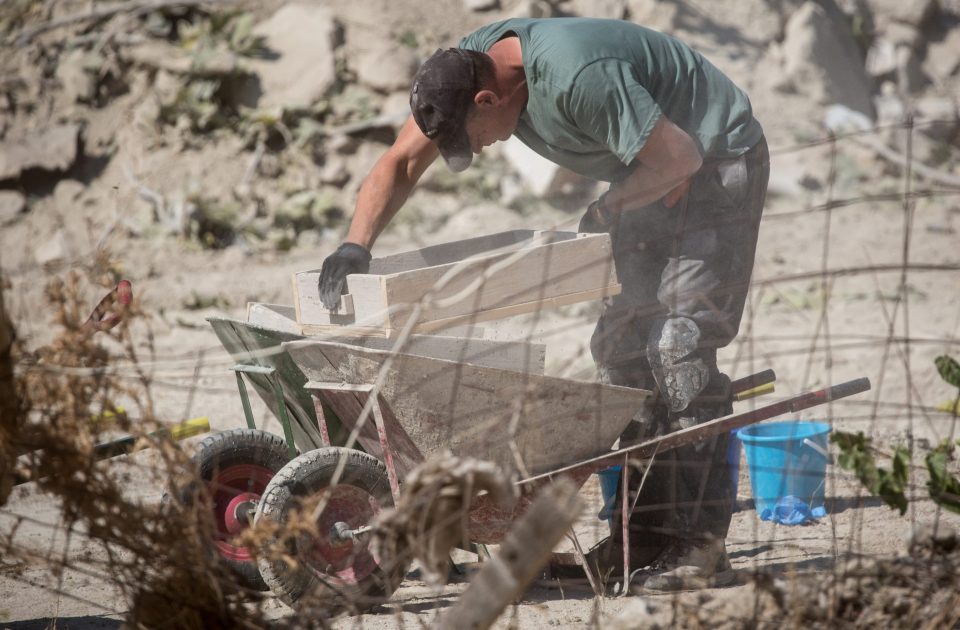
x=440, y=99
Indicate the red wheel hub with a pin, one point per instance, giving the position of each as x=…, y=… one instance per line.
x=347, y=560
x=229, y=488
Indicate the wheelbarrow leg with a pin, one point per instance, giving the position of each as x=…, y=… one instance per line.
x=321, y=419
x=625, y=520
x=385, y=447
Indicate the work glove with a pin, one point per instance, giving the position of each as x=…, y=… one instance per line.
x=349, y=258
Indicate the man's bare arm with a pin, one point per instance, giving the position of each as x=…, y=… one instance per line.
x=667, y=160
x=389, y=183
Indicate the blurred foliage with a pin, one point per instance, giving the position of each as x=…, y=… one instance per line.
x=856, y=455
x=307, y=210
x=232, y=30
x=409, y=39
x=949, y=370
x=213, y=222
x=197, y=102
x=944, y=488
x=201, y=301
x=14, y=13
x=890, y=485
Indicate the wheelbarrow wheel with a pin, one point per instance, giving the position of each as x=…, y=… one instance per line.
x=330, y=570
x=234, y=468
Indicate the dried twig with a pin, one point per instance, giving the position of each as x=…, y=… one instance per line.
x=524, y=551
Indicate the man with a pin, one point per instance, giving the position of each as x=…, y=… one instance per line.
x=687, y=165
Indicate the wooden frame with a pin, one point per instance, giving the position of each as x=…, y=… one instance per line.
x=463, y=282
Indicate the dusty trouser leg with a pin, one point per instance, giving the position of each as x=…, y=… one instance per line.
x=685, y=273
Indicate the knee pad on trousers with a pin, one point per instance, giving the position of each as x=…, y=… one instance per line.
x=680, y=372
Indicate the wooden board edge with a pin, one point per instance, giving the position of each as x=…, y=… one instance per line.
x=519, y=309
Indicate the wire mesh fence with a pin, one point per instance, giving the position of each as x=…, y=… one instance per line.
x=862, y=281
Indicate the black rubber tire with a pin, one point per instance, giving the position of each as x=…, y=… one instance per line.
x=362, y=491
x=245, y=460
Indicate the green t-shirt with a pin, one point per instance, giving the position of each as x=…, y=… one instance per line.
x=597, y=88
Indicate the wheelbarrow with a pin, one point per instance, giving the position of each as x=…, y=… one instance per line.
x=401, y=408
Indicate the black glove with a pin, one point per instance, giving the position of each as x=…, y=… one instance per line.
x=349, y=258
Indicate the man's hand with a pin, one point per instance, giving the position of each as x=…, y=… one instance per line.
x=349, y=258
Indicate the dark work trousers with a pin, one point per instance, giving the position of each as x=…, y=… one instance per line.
x=693, y=260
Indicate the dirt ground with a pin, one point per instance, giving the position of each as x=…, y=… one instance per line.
x=870, y=288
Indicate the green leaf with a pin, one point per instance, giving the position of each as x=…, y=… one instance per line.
x=944, y=487
x=949, y=370
x=889, y=485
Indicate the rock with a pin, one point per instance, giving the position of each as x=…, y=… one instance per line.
x=937, y=117
x=52, y=149
x=66, y=193
x=816, y=63
x=160, y=55
x=943, y=56
x=923, y=536
x=481, y=5
x=661, y=16
x=914, y=12
x=902, y=34
x=76, y=73
x=540, y=176
x=531, y=9
x=12, y=204
x=269, y=166
x=840, y=120
x=54, y=250
x=301, y=67
x=910, y=76
x=882, y=58
x=397, y=105
x=889, y=106
x=167, y=86
x=478, y=220
x=611, y=9
x=334, y=172
x=387, y=67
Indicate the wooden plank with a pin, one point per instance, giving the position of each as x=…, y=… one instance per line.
x=364, y=296
x=449, y=252
x=517, y=309
x=525, y=422
x=518, y=356
x=529, y=270
x=348, y=408
x=530, y=277
x=273, y=316
x=331, y=331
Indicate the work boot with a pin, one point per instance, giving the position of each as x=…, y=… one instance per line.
x=685, y=566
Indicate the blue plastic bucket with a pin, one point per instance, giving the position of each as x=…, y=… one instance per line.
x=609, y=482
x=786, y=459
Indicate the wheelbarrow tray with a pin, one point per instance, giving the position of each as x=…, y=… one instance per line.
x=251, y=344
x=257, y=344
x=519, y=420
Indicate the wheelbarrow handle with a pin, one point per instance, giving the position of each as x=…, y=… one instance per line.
x=719, y=426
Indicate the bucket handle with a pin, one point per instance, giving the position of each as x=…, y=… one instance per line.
x=818, y=449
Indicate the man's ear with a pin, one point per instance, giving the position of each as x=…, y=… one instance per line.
x=486, y=98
